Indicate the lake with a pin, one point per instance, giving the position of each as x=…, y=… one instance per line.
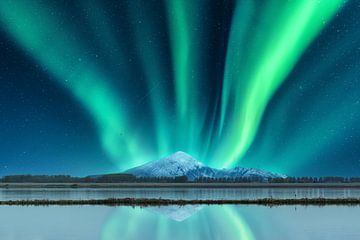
x=223, y=222
x=175, y=222
x=176, y=193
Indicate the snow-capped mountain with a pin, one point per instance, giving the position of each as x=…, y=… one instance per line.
x=182, y=164
x=177, y=164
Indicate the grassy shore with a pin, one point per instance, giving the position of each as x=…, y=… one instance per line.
x=180, y=185
x=165, y=202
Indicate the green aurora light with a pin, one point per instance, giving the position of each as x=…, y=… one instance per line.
x=251, y=76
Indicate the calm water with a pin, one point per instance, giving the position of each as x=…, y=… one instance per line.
x=179, y=193
x=225, y=222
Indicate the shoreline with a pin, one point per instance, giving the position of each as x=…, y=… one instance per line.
x=144, y=202
x=177, y=185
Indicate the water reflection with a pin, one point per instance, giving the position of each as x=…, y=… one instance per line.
x=176, y=212
x=219, y=222
x=178, y=193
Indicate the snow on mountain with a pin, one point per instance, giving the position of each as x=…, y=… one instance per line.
x=248, y=172
x=177, y=164
x=182, y=164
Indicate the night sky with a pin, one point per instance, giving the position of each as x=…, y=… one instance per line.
x=101, y=86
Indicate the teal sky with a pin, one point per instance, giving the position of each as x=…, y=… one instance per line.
x=99, y=86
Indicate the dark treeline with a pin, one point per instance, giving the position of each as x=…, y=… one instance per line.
x=316, y=180
x=231, y=180
x=67, y=179
x=129, y=178
x=39, y=179
x=180, y=179
x=280, y=180
x=108, y=178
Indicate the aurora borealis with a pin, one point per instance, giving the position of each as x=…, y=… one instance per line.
x=102, y=86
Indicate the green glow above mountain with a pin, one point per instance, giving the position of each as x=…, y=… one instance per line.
x=178, y=107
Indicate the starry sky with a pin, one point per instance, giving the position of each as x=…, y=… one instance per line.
x=93, y=86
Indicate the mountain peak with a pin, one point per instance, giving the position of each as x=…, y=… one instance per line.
x=180, y=153
x=182, y=164
x=174, y=165
x=181, y=157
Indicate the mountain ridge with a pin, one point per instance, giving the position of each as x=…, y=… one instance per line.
x=182, y=164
